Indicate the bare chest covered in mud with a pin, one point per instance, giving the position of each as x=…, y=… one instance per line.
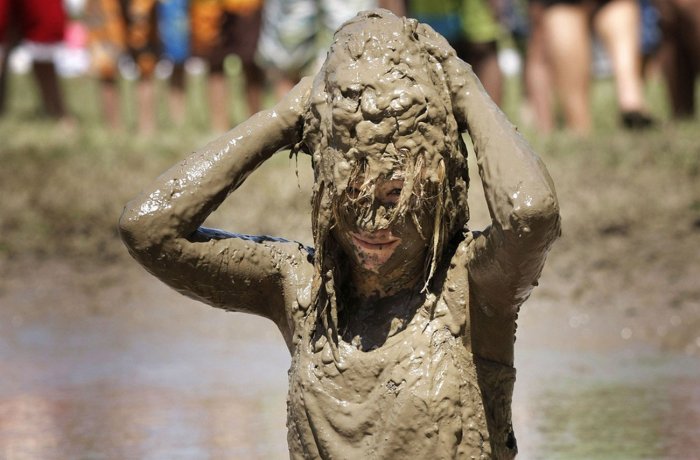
x=416, y=396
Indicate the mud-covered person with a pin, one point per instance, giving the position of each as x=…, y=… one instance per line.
x=401, y=322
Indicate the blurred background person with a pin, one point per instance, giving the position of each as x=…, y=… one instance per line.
x=40, y=26
x=537, y=75
x=173, y=25
x=680, y=52
x=473, y=28
x=142, y=56
x=107, y=43
x=295, y=31
x=221, y=28
x=566, y=31
x=124, y=44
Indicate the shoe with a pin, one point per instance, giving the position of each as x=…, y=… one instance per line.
x=635, y=120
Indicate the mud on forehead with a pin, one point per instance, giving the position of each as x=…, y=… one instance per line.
x=381, y=129
x=380, y=104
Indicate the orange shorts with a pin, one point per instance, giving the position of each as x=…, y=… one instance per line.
x=115, y=32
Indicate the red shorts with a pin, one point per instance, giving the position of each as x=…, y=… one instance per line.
x=41, y=21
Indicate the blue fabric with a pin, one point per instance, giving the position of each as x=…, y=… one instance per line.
x=447, y=25
x=651, y=32
x=174, y=28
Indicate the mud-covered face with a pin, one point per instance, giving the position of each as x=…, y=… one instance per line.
x=380, y=104
x=370, y=233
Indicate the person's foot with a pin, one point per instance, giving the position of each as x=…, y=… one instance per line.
x=636, y=120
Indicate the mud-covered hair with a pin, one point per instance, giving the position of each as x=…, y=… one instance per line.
x=379, y=102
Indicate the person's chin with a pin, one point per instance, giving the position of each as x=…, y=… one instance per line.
x=373, y=261
x=373, y=256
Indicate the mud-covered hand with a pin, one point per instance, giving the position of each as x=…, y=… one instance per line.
x=291, y=108
x=470, y=102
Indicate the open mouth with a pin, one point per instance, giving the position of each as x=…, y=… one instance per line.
x=374, y=245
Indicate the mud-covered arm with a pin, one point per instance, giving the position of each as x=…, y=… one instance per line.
x=161, y=227
x=507, y=258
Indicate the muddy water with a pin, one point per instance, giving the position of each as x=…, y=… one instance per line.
x=631, y=403
x=93, y=369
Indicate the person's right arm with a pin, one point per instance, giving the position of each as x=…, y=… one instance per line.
x=161, y=227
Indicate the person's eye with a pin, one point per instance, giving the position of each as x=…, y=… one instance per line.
x=352, y=192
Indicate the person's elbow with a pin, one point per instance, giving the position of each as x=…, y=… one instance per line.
x=536, y=217
x=136, y=232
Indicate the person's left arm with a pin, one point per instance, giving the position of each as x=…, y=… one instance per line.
x=506, y=259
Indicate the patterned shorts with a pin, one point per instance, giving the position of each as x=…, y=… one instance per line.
x=295, y=31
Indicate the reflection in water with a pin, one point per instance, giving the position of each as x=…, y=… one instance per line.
x=28, y=427
x=101, y=421
x=641, y=405
x=608, y=421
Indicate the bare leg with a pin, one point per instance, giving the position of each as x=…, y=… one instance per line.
x=176, y=95
x=49, y=88
x=177, y=104
x=569, y=51
x=218, y=106
x=679, y=77
x=146, y=106
x=4, y=55
x=255, y=85
x=618, y=25
x=484, y=59
x=680, y=53
x=109, y=94
x=536, y=73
